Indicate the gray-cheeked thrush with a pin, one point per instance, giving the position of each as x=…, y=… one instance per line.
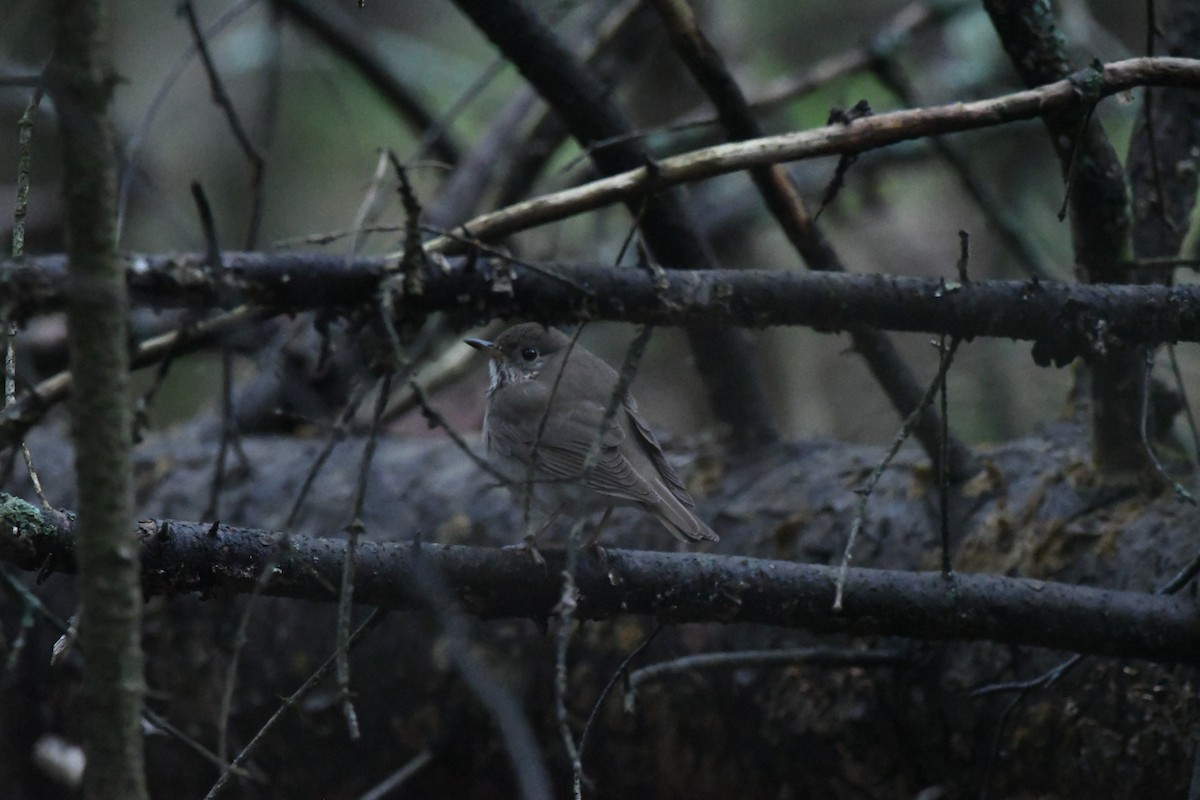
x=629, y=467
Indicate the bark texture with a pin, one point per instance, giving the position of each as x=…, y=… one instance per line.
x=97, y=309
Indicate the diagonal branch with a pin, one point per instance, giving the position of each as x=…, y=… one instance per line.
x=329, y=25
x=724, y=357
x=782, y=198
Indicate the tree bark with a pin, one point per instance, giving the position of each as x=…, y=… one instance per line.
x=97, y=306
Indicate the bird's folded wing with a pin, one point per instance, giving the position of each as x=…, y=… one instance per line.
x=649, y=444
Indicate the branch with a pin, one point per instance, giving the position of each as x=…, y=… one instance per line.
x=859, y=136
x=110, y=616
x=782, y=198
x=1064, y=319
x=180, y=556
x=724, y=358
x=332, y=27
x=1098, y=202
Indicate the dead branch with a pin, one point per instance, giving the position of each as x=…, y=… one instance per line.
x=183, y=556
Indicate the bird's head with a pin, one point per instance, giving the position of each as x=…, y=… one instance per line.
x=522, y=353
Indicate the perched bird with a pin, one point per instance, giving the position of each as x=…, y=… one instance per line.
x=534, y=368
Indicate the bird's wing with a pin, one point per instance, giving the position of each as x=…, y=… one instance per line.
x=569, y=438
x=514, y=418
x=649, y=444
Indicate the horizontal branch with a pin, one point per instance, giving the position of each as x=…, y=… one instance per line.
x=1064, y=319
x=673, y=587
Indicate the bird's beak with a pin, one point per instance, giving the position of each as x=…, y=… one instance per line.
x=483, y=345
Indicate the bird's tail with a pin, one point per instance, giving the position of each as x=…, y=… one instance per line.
x=681, y=521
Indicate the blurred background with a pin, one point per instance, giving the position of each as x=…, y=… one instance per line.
x=320, y=126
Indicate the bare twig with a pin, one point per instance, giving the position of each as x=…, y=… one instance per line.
x=31, y=602
x=140, y=131
x=820, y=656
x=20, y=417
x=347, y=40
x=398, y=778
x=621, y=670
x=355, y=529
x=221, y=98
x=864, y=492
x=1011, y=231
x=229, y=433
x=20, y=210
x=429, y=589
x=1180, y=492
x=291, y=701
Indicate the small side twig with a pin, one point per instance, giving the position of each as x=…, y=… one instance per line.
x=864, y=492
x=355, y=528
x=221, y=98
x=229, y=433
x=622, y=669
x=820, y=656
x=398, y=778
x=567, y=603
x=20, y=211
x=1180, y=492
x=292, y=701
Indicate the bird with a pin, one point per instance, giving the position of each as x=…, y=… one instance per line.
x=547, y=401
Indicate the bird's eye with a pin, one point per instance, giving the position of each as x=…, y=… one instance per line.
x=530, y=354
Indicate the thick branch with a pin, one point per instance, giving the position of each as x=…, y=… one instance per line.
x=197, y=557
x=1100, y=224
x=101, y=418
x=1064, y=319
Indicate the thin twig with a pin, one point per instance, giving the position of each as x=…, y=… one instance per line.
x=944, y=461
x=1180, y=492
x=616, y=401
x=355, y=528
x=292, y=701
x=20, y=211
x=530, y=471
x=622, y=669
x=565, y=609
x=864, y=493
x=453, y=364
x=229, y=433
x=1012, y=232
x=436, y=419
x=335, y=435
x=1160, y=195
x=398, y=778
x=739, y=659
x=31, y=601
x=264, y=576
x=140, y=131
x=369, y=207
x=221, y=98
x=1187, y=405
x=1183, y=577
